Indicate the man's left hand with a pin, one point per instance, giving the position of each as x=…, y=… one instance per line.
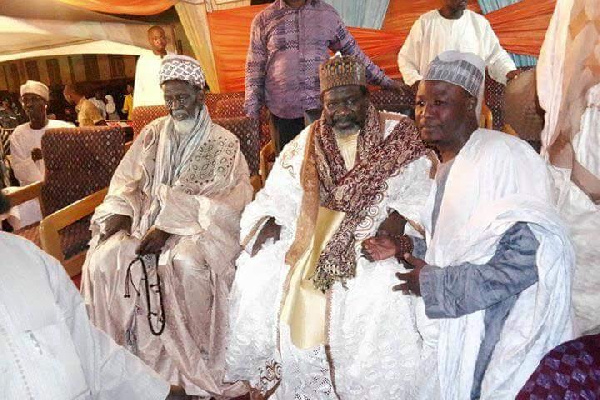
x=412, y=284
x=152, y=242
x=513, y=74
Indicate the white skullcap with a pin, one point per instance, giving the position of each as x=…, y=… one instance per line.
x=466, y=70
x=35, y=87
x=181, y=68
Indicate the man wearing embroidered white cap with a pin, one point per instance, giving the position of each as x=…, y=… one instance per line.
x=161, y=258
x=25, y=148
x=495, y=274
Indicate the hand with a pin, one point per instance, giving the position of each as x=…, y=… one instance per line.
x=115, y=224
x=411, y=279
x=100, y=123
x=393, y=225
x=152, y=242
x=270, y=230
x=513, y=74
x=379, y=248
x=36, y=154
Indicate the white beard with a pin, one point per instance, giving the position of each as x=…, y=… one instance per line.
x=186, y=126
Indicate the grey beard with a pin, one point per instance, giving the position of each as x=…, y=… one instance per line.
x=186, y=126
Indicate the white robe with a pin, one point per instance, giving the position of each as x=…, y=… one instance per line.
x=497, y=180
x=373, y=346
x=433, y=34
x=147, y=84
x=196, y=192
x=22, y=141
x=49, y=350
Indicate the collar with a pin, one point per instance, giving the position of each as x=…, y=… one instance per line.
x=282, y=4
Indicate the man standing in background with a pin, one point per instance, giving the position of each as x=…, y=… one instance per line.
x=148, y=91
x=288, y=41
x=453, y=27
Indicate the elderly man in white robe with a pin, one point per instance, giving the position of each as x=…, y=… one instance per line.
x=49, y=350
x=453, y=27
x=312, y=317
x=161, y=260
x=25, y=148
x=494, y=273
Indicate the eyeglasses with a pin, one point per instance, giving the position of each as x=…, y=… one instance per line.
x=181, y=99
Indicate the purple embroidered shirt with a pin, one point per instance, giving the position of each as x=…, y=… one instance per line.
x=287, y=46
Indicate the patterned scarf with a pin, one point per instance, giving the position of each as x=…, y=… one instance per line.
x=327, y=182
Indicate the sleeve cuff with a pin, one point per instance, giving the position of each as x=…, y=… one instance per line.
x=429, y=283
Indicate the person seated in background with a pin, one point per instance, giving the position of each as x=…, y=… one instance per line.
x=171, y=216
x=111, y=108
x=87, y=113
x=147, y=87
x=452, y=27
x=26, y=147
x=50, y=350
x=128, y=101
x=494, y=273
x=312, y=316
x=8, y=118
x=100, y=102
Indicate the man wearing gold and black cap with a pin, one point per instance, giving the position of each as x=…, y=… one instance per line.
x=313, y=315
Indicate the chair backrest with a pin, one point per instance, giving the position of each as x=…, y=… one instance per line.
x=394, y=101
x=211, y=100
x=143, y=115
x=79, y=162
x=248, y=132
x=228, y=108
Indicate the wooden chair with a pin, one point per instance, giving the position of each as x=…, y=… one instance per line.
x=486, y=120
x=79, y=165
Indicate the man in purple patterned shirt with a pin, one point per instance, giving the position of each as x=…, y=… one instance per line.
x=288, y=42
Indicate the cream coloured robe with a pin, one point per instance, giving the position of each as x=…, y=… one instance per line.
x=201, y=210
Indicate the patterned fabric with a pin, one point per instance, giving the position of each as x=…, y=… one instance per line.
x=31, y=233
x=211, y=100
x=227, y=108
x=570, y=371
x=341, y=71
x=494, y=98
x=394, y=101
x=181, y=68
x=287, y=46
x=352, y=192
x=247, y=131
x=79, y=162
x=74, y=238
x=143, y=115
x=466, y=70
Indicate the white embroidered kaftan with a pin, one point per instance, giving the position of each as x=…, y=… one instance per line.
x=195, y=189
x=371, y=348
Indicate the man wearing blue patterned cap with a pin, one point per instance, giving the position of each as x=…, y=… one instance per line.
x=493, y=273
x=172, y=213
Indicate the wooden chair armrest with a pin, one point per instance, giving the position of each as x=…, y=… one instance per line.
x=256, y=182
x=486, y=120
x=53, y=223
x=267, y=153
x=20, y=194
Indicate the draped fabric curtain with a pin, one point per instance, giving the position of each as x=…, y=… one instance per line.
x=132, y=7
x=520, y=27
x=487, y=6
x=361, y=13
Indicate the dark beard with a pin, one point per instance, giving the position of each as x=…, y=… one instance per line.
x=4, y=204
